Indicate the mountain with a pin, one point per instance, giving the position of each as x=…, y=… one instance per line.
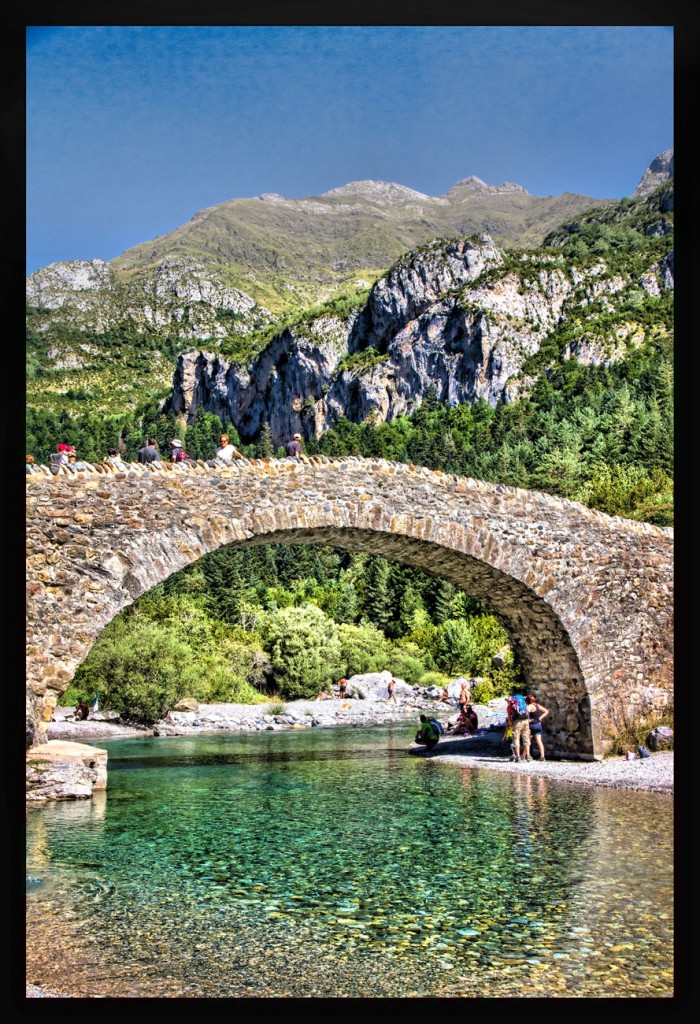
x=288, y=253
x=464, y=318
x=659, y=171
x=104, y=336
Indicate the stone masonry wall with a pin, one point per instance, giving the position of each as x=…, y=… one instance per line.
x=586, y=598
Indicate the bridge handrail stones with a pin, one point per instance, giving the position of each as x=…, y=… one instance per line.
x=587, y=598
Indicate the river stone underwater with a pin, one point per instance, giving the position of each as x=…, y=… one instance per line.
x=329, y=862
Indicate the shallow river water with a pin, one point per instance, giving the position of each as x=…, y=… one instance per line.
x=329, y=862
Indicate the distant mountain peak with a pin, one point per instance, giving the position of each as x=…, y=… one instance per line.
x=384, y=192
x=475, y=184
x=659, y=171
x=470, y=182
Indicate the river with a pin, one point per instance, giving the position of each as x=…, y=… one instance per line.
x=329, y=862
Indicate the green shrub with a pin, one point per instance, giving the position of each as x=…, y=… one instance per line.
x=304, y=650
x=482, y=692
x=433, y=679
x=141, y=674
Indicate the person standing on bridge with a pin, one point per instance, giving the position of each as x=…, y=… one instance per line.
x=149, y=452
x=293, y=447
x=226, y=451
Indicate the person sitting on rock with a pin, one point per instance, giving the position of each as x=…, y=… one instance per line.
x=427, y=734
x=81, y=711
x=467, y=722
x=444, y=696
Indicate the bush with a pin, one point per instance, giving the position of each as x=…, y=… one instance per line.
x=482, y=692
x=304, y=651
x=361, y=647
x=433, y=679
x=141, y=674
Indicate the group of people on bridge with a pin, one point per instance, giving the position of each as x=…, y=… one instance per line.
x=65, y=454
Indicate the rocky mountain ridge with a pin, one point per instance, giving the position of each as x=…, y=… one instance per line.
x=288, y=253
x=462, y=317
x=374, y=358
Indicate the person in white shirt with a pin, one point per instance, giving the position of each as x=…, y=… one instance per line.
x=226, y=451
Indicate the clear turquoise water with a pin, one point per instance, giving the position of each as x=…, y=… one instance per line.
x=331, y=863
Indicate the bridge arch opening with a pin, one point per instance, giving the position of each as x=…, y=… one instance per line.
x=586, y=599
x=538, y=638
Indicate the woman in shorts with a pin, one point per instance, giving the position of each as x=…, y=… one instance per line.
x=537, y=713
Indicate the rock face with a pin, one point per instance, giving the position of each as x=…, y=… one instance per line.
x=659, y=171
x=373, y=686
x=58, y=770
x=587, y=599
x=453, y=316
x=177, y=294
x=660, y=738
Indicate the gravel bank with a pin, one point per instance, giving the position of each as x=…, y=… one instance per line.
x=653, y=773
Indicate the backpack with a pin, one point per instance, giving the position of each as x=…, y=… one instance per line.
x=517, y=707
x=182, y=456
x=438, y=725
x=56, y=460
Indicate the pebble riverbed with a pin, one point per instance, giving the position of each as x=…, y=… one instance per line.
x=485, y=751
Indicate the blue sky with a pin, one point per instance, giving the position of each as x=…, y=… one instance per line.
x=132, y=129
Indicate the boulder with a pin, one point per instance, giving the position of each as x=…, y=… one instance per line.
x=660, y=738
x=186, y=704
x=373, y=686
x=498, y=659
x=60, y=770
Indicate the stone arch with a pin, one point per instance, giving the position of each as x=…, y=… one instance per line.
x=564, y=580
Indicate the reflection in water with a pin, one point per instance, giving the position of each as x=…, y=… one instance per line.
x=329, y=862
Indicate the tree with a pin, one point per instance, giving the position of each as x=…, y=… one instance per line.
x=264, y=448
x=376, y=603
x=141, y=672
x=304, y=651
x=455, y=648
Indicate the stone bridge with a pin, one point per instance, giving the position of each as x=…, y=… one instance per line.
x=586, y=598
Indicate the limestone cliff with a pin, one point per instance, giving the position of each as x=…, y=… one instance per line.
x=659, y=171
x=176, y=294
x=458, y=316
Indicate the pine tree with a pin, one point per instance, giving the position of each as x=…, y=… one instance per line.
x=264, y=448
x=377, y=598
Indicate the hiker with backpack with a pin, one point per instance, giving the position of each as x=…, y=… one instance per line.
x=177, y=452
x=518, y=718
x=428, y=733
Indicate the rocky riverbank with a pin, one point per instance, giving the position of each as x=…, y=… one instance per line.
x=485, y=750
